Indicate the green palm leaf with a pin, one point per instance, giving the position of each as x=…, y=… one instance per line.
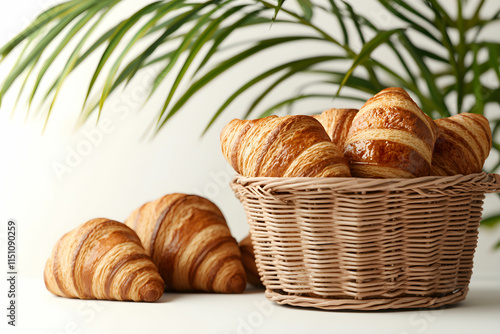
x=141, y=33
x=224, y=33
x=290, y=101
x=74, y=30
x=189, y=42
x=204, y=37
x=34, y=55
x=225, y=65
x=366, y=51
x=70, y=65
x=116, y=37
x=194, y=33
x=40, y=22
x=426, y=75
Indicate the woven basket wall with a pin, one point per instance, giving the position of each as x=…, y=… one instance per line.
x=365, y=244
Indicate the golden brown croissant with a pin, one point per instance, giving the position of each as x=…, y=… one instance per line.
x=248, y=259
x=463, y=144
x=337, y=123
x=102, y=259
x=190, y=242
x=390, y=137
x=281, y=146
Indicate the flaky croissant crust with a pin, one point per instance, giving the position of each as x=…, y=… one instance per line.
x=390, y=137
x=463, y=144
x=281, y=147
x=337, y=123
x=190, y=242
x=102, y=259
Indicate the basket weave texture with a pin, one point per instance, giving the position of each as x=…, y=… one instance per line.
x=365, y=244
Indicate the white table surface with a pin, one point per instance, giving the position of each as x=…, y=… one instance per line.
x=41, y=312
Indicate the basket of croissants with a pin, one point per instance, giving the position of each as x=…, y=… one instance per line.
x=376, y=208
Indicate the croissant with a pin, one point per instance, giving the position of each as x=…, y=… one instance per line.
x=190, y=242
x=390, y=137
x=463, y=144
x=248, y=259
x=337, y=123
x=102, y=259
x=281, y=146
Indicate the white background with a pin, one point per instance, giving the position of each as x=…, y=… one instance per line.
x=121, y=170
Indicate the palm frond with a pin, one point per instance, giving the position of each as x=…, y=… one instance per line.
x=39, y=23
x=116, y=37
x=32, y=57
x=194, y=33
x=225, y=65
x=366, y=51
x=188, y=42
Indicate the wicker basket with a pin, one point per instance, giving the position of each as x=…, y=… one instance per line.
x=365, y=244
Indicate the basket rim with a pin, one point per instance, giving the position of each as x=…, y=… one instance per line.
x=479, y=182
